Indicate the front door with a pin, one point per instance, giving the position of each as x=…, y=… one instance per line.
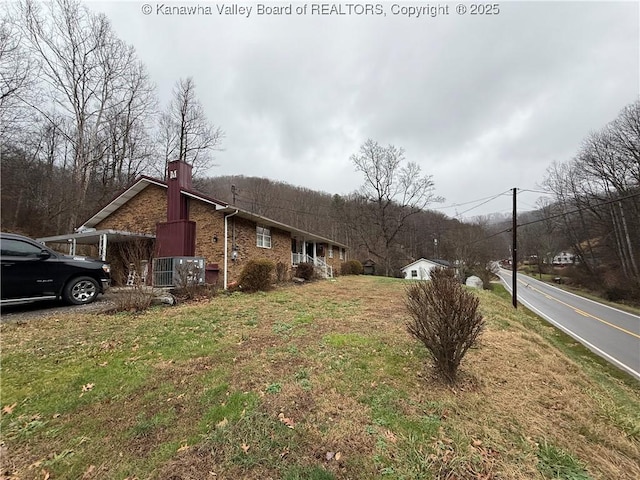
x=310, y=249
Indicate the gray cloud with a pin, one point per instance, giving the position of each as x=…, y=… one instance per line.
x=482, y=103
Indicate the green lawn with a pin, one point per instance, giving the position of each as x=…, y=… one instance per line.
x=319, y=381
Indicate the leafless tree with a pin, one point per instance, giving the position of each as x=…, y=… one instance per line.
x=607, y=174
x=129, y=149
x=293, y=205
x=597, y=197
x=86, y=72
x=17, y=72
x=471, y=249
x=393, y=191
x=185, y=133
x=538, y=242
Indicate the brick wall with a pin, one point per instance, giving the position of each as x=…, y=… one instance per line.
x=209, y=224
x=335, y=262
x=246, y=242
x=141, y=213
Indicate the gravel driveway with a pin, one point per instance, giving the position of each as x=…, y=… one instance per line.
x=105, y=302
x=45, y=308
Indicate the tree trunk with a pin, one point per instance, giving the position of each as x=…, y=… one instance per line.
x=634, y=265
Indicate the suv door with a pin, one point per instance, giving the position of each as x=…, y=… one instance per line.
x=25, y=273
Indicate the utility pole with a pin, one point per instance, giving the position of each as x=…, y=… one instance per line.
x=514, y=252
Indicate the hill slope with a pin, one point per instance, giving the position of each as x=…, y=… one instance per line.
x=316, y=382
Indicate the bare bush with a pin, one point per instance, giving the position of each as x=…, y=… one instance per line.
x=306, y=271
x=256, y=275
x=197, y=291
x=351, y=267
x=445, y=318
x=282, y=272
x=133, y=299
x=188, y=274
x=189, y=281
x=132, y=268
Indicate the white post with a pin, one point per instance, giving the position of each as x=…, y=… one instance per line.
x=103, y=247
x=226, y=228
x=226, y=242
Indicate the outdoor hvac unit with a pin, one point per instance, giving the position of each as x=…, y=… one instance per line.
x=178, y=271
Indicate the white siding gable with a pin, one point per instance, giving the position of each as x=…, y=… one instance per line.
x=419, y=270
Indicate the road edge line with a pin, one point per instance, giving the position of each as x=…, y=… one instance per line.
x=577, y=337
x=580, y=296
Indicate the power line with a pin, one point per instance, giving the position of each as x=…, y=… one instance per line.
x=453, y=205
x=483, y=203
x=547, y=192
x=292, y=210
x=527, y=204
x=323, y=208
x=507, y=230
x=580, y=209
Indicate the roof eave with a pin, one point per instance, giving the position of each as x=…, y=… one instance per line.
x=120, y=199
x=420, y=260
x=282, y=226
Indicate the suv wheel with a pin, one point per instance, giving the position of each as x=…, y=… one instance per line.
x=80, y=291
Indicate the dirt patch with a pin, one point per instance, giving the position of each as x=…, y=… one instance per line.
x=192, y=463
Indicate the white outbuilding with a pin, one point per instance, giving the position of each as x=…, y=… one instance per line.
x=420, y=269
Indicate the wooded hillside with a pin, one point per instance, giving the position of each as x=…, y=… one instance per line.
x=80, y=120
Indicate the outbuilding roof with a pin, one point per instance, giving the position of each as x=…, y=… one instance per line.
x=420, y=260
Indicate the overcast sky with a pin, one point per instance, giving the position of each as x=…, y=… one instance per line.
x=483, y=103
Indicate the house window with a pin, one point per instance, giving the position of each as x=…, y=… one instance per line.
x=330, y=251
x=264, y=237
x=414, y=273
x=342, y=254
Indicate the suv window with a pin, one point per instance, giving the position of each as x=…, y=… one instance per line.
x=17, y=248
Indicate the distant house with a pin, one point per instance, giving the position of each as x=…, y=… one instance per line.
x=420, y=269
x=179, y=222
x=564, y=258
x=369, y=267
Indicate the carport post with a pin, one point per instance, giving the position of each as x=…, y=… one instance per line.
x=102, y=247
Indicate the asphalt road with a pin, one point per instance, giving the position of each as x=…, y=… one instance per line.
x=609, y=332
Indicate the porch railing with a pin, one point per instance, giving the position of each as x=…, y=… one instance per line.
x=297, y=258
x=318, y=262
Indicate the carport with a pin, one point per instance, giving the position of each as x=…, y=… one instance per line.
x=91, y=236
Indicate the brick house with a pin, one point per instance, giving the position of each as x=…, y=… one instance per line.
x=181, y=222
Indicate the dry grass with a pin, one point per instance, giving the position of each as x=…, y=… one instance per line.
x=214, y=388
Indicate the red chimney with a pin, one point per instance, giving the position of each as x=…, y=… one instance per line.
x=177, y=236
x=178, y=178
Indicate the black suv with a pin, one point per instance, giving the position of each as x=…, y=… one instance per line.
x=31, y=271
